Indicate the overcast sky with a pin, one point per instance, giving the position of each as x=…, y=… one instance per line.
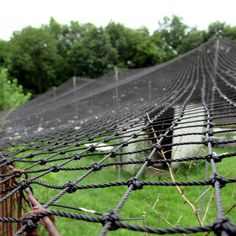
x=16, y=14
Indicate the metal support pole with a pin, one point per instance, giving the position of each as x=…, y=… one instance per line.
x=150, y=90
x=54, y=92
x=74, y=84
x=117, y=89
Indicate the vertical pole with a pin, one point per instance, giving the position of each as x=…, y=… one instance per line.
x=150, y=90
x=3, y=90
x=54, y=92
x=117, y=89
x=74, y=84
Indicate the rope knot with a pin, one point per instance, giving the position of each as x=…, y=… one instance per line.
x=148, y=160
x=30, y=222
x=113, y=154
x=110, y=217
x=210, y=140
x=223, y=224
x=55, y=168
x=25, y=184
x=31, y=155
x=222, y=181
x=62, y=151
x=210, y=132
x=135, y=183
x=77, y=157
x=92, y=148
x=43, y=162
x=96, y=166
x=72, y=187
x=125, y=144
x=9, y=162
x=158, y=146
x=213, y=156
x=18, y=173
x=105, y=140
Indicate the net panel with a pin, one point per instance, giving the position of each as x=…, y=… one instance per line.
x=127, y=122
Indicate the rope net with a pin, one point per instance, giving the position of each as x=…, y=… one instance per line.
x=118, y=141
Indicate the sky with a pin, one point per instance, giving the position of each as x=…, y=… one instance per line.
x=17, y=14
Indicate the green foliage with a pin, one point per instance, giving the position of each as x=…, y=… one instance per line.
x=92, y=55
x=222, y=29
x=192, y=39
x=47, y=56
x=11, y=94
x=215, y=28
x=175, y=37
x=172, y=31
x=134, y=47
x=34, y=59
x=4, y=49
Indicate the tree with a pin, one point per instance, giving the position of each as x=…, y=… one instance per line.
x=47, y=56
x=4, y=52
x=34, y=59
x=169, y=36
x=172, y=31
x=230, y=32
x=11, y=94
x=134, y=47
x=215, y=28
x=220, y=28
x=191, y=40
x=92, y=53
x=64, y=38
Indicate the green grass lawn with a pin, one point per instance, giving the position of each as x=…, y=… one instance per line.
x=160, y=206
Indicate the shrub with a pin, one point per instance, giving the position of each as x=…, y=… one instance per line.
x=11, y=94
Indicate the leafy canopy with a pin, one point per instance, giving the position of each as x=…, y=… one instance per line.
x=49, y=55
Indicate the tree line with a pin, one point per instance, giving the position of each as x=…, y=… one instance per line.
x=47, y=56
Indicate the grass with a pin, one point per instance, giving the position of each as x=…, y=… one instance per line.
x=160, y=206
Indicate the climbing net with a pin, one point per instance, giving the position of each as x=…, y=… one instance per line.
x=124, y=123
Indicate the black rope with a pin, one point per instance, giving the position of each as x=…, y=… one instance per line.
x=138, y=117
